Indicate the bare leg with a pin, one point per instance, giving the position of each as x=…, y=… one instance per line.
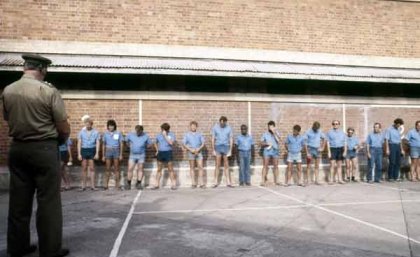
x=331, y=175
x=65, y=175
x=172, y=174
x=200, y=172
x=92, y=173
x=84, y=173
x=417, y=160
x=117, y=173
x=288, y=174
x=217, y=170
x=316, y=170
x=227, y=171
x=131, y=166
x=299, y=172
x=140, y=171
x=413, y=168
x=158, y=174
x=348, y=168
x=339, y=171
x=107, y=172
x=276, y=170
x=192, y=173
x=264, y=171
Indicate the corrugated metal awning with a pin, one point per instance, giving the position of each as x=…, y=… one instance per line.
x=215, y=67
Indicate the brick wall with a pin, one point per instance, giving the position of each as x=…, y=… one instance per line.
x=384, y=28
x=179, y=113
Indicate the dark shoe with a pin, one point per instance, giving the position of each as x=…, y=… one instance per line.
x=248, y=184
x=230, y=186
x=29, y=250
x=139, y=186
x=241, y=184
x=128, y=187
x=174, y=188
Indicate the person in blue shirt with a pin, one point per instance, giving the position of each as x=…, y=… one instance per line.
x=112, y=148
x=193, y=142
x=270, y=142
x=65, y=159
x=337, y=150
x=138, y=142
x=375, y=151
x=413, y=137
x=244, y=144
x=222, y=143
x=394, y=149
x=352, y=165
x=164, y=143
x=315, y=144
x=294, y=144
x=88, y=151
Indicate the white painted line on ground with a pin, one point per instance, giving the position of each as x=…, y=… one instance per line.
x=306, y=205
x=345, y=216
x=117, y=244
x=390, y=188
x=227, y=209
x=368, y=203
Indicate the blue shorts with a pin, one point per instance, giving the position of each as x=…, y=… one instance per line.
x=88, y=153
x=351, y=154
x=195, y=157
x=164, y=156
x=137, y=158
x=314, y=152
x=337, y=153
x=274, y=153
x=221, y=149
x=415, y=152
x=112, y=152
x=294, y=157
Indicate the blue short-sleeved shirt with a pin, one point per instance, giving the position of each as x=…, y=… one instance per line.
x=222, y=135
x=413, y=137
x=352, y=142
x=63, y=147
x=269, y=138
x=336, y=138
x=295, y=143
x=112, y=139
x=88, y=137
x=193, y=139
x=314, y=138
x=163, y=145
x=393, y=135
x=375, y=140
x=138, y=143
x=244, y=142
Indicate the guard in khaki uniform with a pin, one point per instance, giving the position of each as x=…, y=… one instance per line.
x=37, y=122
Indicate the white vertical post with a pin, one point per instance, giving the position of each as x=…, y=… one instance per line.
x=344, y=118
x=249, y=119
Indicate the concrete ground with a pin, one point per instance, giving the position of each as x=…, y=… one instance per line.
x=356, y=219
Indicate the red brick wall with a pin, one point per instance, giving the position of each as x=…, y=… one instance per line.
x=385, y=28
x=179, y=113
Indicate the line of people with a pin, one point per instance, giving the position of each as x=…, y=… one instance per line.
x=339, y=147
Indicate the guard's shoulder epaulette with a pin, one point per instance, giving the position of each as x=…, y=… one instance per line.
x=48, y=84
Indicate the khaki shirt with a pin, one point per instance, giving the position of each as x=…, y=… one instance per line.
x=32, y=108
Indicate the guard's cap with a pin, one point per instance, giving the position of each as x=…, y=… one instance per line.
x=36, y=59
